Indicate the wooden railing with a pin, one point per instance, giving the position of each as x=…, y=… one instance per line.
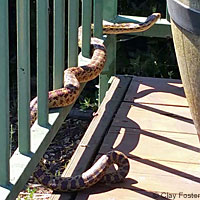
x=32, y=143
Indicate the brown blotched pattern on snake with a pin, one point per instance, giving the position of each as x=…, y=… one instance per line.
x=68, y=94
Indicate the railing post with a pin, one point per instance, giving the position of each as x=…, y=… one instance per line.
x=98, y=18
x=73, y=22
x=59, y=43
x=109, y=13
x=23, y=65
x=43, y=60
x=4, y=100
x=86, y=27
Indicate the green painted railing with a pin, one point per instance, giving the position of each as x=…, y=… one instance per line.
x=16, y=170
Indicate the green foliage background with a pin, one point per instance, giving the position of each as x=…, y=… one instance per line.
x=141, y=56
x=141, y=7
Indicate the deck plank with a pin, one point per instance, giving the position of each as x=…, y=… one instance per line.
x=156, y=91
x=154, y=117
x=173, y=147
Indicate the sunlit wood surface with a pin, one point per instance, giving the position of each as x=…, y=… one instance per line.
x=153, y=127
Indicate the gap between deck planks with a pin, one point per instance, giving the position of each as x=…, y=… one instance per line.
x=91, y=141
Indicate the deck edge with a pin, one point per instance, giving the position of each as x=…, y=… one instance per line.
x=96, y=131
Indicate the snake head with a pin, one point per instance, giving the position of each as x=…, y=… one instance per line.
x=156, y=16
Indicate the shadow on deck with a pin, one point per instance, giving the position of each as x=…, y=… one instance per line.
x=149, y=120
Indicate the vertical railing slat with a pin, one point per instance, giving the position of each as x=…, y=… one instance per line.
x=98, y=18
x=23, y=65
x=73, y=22
x=43, y=60
x=109, y=13
x=86, y=27
x=98, y=32
x=59, y=43
x=4, y=100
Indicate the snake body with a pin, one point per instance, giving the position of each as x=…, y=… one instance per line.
x=131, y=27
x=67, y=95
x=93, y=175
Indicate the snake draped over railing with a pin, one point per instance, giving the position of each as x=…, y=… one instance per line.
x=68, y=94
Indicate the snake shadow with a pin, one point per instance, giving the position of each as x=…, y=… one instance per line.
x=129, y=139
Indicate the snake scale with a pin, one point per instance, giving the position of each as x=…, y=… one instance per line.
x=67, y=95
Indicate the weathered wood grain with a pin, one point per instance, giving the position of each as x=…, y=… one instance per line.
x=156, y=91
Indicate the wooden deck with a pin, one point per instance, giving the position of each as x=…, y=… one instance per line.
x=149, y=120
